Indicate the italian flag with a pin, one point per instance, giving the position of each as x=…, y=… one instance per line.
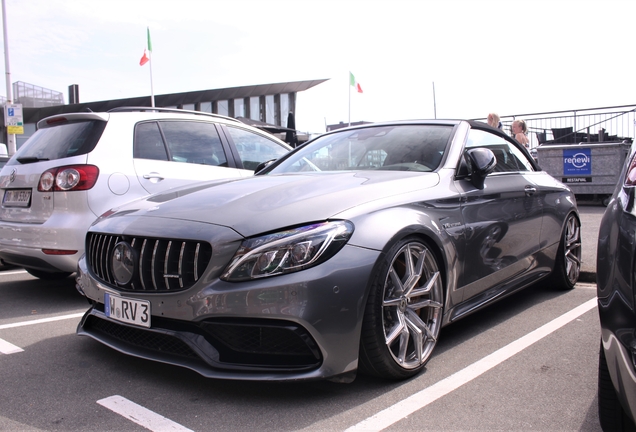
x=146, y=57
x=354, y=83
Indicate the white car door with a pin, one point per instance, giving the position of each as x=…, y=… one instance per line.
x=174, y=153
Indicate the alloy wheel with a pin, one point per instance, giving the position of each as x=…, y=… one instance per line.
x=412, y=305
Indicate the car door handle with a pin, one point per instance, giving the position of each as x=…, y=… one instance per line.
x=530, y=190
x=153, y=176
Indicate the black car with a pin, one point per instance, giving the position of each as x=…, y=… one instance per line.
x=616, y=301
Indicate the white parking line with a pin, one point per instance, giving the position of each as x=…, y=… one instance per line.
x=419, y=400
x=42, y=320
x=9, y=348
x=140, y=415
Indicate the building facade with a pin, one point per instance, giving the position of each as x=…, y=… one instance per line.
x=265, y=103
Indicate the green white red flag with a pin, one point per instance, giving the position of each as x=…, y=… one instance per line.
x=354, y=83
x=147, y=52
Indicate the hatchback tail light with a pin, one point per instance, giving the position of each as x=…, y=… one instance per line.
x=68, y=178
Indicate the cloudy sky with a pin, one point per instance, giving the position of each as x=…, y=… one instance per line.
x=511, y=57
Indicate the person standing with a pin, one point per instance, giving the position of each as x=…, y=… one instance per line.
x=494, y=121
x=520, y=132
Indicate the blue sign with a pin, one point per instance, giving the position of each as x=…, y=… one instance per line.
x=577, y=161
x=11, y=113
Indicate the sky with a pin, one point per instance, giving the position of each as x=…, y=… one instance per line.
x=413, y=59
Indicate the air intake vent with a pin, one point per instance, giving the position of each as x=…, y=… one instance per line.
x=159, y=265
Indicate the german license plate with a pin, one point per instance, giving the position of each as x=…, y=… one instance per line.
x=17, y=198
x=127, y=310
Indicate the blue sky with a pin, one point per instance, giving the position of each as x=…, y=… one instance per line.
x=511, y=57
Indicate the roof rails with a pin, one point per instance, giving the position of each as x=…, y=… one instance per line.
x=172, y=110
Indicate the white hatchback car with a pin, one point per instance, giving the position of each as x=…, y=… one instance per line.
x=77, y=166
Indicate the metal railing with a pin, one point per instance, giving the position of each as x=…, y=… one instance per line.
x=608, y=124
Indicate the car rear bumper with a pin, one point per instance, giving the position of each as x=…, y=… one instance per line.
x=22, y=244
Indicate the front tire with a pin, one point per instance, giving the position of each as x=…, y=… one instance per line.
x=47, y=275
x=567, y=265
x=403, y=314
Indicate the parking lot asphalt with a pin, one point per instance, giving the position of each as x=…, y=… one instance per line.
x=591, y=214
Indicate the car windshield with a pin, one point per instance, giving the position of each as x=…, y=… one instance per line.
x=396, y=147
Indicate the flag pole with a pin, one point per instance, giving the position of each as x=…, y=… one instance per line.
x=152, y=91
x=434, y=102
x=349, y=87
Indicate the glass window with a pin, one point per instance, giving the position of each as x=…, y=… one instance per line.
x=239, y=108
x=284, y=108
x=194, y=142
x=509, y=157
x=29, y=130
x=400, y=148
x=270, y=110
x=253, y=148
x=255, y=108
x=206, y=107
x=66, y=139
x=189, y=107
x=222, y=107
x=148, y=143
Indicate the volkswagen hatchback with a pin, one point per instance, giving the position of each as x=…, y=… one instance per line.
x=77, y=166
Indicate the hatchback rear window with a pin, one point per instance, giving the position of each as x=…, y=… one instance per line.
x=61, y=141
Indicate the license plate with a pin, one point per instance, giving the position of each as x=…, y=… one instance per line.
x=127, y=310
x=17, y=198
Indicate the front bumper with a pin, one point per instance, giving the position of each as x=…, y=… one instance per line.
x=298, y=326
x=621, y=361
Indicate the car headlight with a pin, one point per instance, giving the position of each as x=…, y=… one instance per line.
x=288, y=251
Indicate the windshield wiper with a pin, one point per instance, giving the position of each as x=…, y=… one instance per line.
x=31, y=159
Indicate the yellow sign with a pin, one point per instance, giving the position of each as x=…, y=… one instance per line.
x=15, y=130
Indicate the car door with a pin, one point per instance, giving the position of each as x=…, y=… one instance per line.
x=502, y=220
x=172, y=153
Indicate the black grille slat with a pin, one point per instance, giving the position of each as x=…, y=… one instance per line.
x=141, y=338
x=162, y=264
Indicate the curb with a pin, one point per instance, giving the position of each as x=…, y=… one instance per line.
x=589, y=277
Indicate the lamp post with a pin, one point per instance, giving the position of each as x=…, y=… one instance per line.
x=10, y=137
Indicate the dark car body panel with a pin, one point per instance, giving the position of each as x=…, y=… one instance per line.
x=616, y=292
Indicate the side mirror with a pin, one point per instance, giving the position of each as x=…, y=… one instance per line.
x=481, y=162
x=263, y=165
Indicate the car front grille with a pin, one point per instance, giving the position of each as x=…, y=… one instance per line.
x=160, y=264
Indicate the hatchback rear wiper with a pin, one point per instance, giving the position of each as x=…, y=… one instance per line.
x=27, y=160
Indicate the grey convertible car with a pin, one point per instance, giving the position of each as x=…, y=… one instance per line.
x=350, y=252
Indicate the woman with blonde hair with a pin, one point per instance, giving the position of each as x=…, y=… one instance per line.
x=494, y=121
x=520, y=132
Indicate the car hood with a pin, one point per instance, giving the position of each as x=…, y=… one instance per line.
x=263, y=203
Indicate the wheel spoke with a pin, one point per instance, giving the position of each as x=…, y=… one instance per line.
x=425, y=303
x=397, y=330
x=397, y=282
x=417, y=335
x=404, y=344
x=413, y=271
x=414, y=319
x=426, y=288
